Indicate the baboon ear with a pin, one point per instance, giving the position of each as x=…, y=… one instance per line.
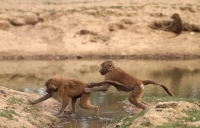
x=111, y=65
x=54, y=85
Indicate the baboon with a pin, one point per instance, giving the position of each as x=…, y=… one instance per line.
x=129, y=82
x=176, y=25
x=69, y=88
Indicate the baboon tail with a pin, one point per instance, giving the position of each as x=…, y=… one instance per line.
x=174, y=35
x=146, y=82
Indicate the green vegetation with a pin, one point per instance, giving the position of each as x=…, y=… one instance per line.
x=117, y=118
x=173, y=6
x=30, y=120
x=193, y=115
x=189, y=5
x=116, y=7
x=128, y=121
x=15, y=100
x=7, y=113
x=63, y=3
x=168, y=98
x=30, y=108
x=51, y=3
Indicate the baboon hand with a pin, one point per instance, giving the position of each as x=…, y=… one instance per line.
x=31, y=102
x=87, y=90
x=89, y=83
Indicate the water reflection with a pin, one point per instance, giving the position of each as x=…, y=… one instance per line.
x=39, y=90
x=182, y=78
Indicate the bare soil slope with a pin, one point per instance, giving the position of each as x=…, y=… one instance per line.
x=163, y=113
x=16, y=112
x=88, y=27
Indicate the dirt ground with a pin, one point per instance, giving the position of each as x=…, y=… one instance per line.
x=32, y=29
x=163, y=113
x=16, y=112
x=96, y=28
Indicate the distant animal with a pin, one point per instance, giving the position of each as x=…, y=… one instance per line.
x=129, y=83
x=69, y=88
x=176, y=25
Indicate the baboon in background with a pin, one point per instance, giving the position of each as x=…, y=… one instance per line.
x=70, y=88
x=176, y=25
x=129, y=82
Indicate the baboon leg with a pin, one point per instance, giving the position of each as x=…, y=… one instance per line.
x=84, y=103
x=64, y=105
x=104, y=87
x=73, y=103
x=135, y=97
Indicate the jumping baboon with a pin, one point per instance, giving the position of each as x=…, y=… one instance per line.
x=70, y=88
x=129, y=82
x=176, y=25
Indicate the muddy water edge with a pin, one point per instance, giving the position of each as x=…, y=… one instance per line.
x=181, y=76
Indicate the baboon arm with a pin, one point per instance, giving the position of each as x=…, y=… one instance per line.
x=104, y=87
x=48, y=95
x=114, y=83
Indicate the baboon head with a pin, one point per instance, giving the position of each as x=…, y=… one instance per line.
x=106, y=66
x=52, y=85
x=175, y=16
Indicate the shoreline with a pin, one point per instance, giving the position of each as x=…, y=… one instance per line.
x=134, y=57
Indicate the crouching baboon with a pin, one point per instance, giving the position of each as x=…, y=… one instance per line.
x=129, y=83
x=176, y=25
x=70, y=88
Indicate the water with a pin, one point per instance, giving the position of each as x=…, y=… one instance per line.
x=181, y=77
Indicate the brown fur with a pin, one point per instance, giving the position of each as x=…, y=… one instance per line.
x=70, y=88
x=176, y=25
x=129, y=83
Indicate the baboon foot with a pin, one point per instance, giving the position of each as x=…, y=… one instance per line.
x=98, y=117
x=58, y=115
x=68, y=112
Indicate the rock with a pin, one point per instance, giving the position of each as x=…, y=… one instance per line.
x=19, y=19
x=31, y=18
x=85, y=32
x=115, y=26
x=127, y=21
x=44, y=16
x=123, y=53
x=167, y=105
x=3, y=91
x=4, y=25
x=4, y=16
